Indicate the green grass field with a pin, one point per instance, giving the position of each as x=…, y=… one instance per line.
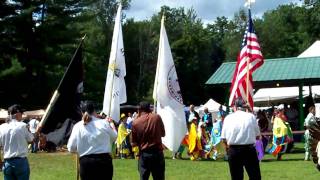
x=62, y=166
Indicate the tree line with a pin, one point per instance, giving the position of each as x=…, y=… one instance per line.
x=38, y=38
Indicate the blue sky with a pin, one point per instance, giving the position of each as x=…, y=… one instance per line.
x=207, y=10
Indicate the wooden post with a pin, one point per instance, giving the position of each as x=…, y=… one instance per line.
x=227, y=96
x=77, y=166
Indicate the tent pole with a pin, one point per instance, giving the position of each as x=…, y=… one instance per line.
x=227, y=99
x=301, y=113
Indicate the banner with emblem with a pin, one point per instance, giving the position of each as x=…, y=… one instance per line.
x=167, y=95
x=115, y=89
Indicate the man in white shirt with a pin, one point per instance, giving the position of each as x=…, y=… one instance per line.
x=92, y=139
x=239, y=132
x=33, y=124
x=14, y=138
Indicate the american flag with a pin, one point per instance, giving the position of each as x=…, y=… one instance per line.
x=251, y=52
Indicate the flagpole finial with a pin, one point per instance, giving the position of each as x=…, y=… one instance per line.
x=248, y=3
x=85, y=35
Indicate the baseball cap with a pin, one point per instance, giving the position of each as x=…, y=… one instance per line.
x=14, y=109
x=122, y=116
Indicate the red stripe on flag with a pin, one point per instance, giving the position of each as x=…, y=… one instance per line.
x=252, y=53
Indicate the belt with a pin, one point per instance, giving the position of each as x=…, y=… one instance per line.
x=241, y=146
x=14, y=158
x=151, y=150
x=101, y=155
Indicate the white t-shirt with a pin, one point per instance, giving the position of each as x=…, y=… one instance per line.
x=129, y=120
x=240, y=128
x=94, y=138
x=33, y=124
x=14, y=138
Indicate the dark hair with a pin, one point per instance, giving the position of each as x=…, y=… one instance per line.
x=87, y=106
x=87, y=109
x=311, y=108
x=239, y=102
x=144, y=106
x=14, y=109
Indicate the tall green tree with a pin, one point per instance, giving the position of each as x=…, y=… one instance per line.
x=37, y=42
x=282, y=32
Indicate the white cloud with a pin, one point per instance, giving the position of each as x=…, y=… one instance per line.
x=207, y=10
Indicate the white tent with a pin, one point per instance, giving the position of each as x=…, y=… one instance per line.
x=26, y=114
x=3, y=114
x=317, y=105
x=312, y=51
x=212, y=106
x=273, y=96
x=35, y=113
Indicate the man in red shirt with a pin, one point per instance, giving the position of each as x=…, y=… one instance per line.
x=147, y=131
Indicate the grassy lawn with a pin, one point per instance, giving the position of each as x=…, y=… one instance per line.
x=56, y=166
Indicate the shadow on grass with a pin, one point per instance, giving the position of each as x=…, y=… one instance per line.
x=297, y=150
x=188, y=159
x=291, y=159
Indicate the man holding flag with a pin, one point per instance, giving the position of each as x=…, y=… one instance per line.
x=147, y=131
x=240, y=129
x=167, y=95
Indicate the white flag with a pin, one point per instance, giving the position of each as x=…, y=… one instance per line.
x=115, y=90
x=168, y=96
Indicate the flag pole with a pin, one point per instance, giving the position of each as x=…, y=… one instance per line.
x=112, y=79
x=157, y=71
x=247, y=79
x=77, y=166
x=77, y=155
x=56, y=93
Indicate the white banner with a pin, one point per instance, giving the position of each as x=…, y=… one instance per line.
x=167, y=94
x=115, y=90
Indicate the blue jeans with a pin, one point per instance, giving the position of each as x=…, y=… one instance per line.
x=16, y=169
x=34, y=147
x=151, y=162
